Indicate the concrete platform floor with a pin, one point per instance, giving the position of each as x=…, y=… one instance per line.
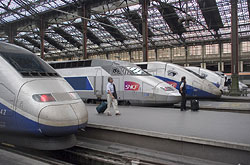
x=220, y=105
x=216, y=126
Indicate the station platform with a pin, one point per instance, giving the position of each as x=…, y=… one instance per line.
x=223, y=127
x=7, y=157
x=240, y=107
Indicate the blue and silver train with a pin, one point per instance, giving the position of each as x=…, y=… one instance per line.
x=89, y=78
x=172, y=73
x=38, y=108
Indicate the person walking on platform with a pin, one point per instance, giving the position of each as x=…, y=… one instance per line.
x=111, y=97
x=183, y=93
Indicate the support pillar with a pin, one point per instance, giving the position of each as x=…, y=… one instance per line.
x=42, y=31
x=203, y=53
x=186, y=56
x=241, y=66
x=145, y=4
x=235, y=49
x=171, y=55
x=220, y=68
x=107, y=55
x=130, y=55
x=84, y=13
x=156, y=54
x=11, y=32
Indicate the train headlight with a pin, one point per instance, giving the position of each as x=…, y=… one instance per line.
x=74, y=96
x=43, y=98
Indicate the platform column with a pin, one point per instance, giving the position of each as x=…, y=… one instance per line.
x=203, y=53
x=235, y=49
x=42, y=32
x=171, y=54
x=11, y=32
x=145, y=4
x=156, y=54
x=220, y=66
x=84, y=13
x=186, y=56
x=107, y=55
x=130, y=55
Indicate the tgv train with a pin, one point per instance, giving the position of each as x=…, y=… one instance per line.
x=216, y=79
x=38, y=108
x=172, y=73
x=89, y=78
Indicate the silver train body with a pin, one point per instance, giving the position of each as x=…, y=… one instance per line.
x=89, y=78
x=197, y=86
x=38, y=108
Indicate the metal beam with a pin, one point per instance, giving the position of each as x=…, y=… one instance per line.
x=91, y=36
x=211, y=14
x=33, y=42
x=170, y=16
x=135, y=20
x=67, y=37
x=114, y=32
x=22, y=45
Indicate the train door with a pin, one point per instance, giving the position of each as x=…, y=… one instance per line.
x=7, y=100
x=147, y=91
x=98, y=83
x=196, y=86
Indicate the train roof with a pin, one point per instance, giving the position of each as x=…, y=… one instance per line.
x=143, y=64
x=11, y=48
x=88, y=63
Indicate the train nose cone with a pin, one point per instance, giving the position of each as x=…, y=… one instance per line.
x=81, y=113
x=215, y=91
x=58, y=120
x=174, y=97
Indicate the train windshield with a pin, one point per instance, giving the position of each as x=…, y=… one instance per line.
x=137, y=71
x=196, y=74
x=28, y=65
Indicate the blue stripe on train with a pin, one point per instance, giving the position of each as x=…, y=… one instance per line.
x=217, y=85
x=12, y=121
x=191, y=91
x=79, y=83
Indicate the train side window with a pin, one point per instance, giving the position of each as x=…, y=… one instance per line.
x=203, y=75
x=172, y=73
x=125, y=71
x=116, y=71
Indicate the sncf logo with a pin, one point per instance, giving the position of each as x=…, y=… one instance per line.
x=132, y=86
x=174, y=84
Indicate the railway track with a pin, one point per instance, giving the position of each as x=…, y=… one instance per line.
x=85, y=155
x=110, y=146
x=41, y=156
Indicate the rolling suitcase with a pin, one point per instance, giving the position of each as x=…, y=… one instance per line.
x=195, y=105
x=101, y=107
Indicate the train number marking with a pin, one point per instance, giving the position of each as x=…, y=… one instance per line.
x=3, y=112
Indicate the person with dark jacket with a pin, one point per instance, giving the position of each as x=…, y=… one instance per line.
x=183, y=93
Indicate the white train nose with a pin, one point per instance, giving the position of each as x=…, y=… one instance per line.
x=57, y=120
x=174, y=97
